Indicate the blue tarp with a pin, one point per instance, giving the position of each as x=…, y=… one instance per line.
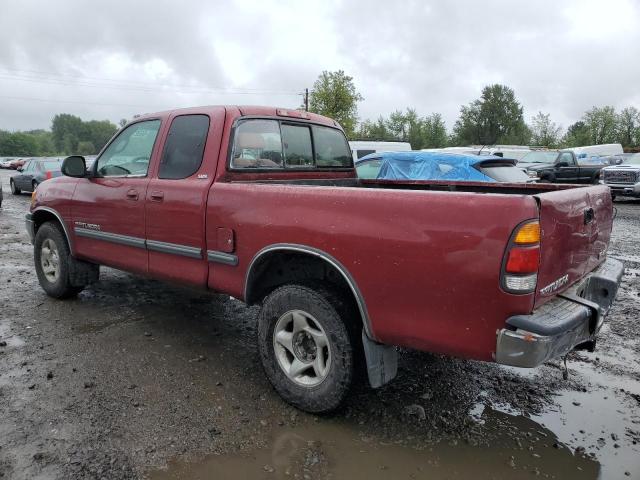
x=430, y=166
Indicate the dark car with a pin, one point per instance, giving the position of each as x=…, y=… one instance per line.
x=561, y=166
x=33, y=173
x=420, y=165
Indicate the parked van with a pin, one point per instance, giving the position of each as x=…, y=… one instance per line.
x=604, y=150
x=363, y=148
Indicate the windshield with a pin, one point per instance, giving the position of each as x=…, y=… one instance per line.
x=539, y=157
x=633, y=160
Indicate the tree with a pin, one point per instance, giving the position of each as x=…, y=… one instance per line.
x=577, y=135
x=602, y=125
x=629, y=127
x=122, y=122
x=434, y=132
x=85, y=148
x=543, y=131
x=18, y=144
x=425, y=132
x=334, y=95
x=70, y=131
x=496, y=117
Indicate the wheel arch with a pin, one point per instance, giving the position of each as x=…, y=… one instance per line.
x=260, y=280
x=46, y=214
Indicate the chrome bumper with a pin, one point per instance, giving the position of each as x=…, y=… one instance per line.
x=30, y=225
x=572, y=319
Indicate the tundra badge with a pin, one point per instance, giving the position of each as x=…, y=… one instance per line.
x=555, y=285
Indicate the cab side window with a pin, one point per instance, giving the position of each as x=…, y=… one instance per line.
x=130, y=152
x=566, y=158
x=184, y=147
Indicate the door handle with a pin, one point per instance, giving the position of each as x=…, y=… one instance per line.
x=132, y=194
x=157, y=196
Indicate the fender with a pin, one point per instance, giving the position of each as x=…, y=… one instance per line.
x=325, y=257
x=64, y=226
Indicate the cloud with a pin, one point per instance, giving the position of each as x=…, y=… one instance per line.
x=114, y=59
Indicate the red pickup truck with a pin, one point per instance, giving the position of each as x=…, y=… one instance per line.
x=264, y=204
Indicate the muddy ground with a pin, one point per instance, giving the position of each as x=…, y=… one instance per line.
x=139, y=379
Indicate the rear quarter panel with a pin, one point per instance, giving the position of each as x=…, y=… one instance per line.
x=427, y=263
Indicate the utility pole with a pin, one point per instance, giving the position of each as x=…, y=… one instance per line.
x=306, y=99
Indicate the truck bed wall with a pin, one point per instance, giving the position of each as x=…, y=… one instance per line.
x=426, y=263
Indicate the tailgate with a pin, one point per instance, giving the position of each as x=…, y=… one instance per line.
x=575, y=226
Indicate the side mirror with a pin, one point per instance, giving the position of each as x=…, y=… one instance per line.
x=74, y=166
x=561, y=164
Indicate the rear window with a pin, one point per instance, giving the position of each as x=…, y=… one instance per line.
x=272, y=144
x=505, y=173
x=51, y=165
x=332, y=149
x=296, y=143
x=364, y=153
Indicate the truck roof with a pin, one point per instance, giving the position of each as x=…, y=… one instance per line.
x=248, y=110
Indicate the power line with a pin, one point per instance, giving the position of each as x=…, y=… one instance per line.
x=9, y=97
x=96, y=82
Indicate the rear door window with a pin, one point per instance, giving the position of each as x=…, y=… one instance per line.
x=184, y=147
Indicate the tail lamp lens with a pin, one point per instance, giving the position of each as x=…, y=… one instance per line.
x=48, y=175
x=523, y=260
x=528, y=233
x=520, y=273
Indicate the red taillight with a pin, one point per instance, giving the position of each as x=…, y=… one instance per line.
x=48, y=175
x=523, y=260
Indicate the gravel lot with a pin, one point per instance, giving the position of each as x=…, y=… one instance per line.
x=139, y=379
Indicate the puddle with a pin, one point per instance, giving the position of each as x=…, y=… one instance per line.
x=334, y=450
x=6, y=336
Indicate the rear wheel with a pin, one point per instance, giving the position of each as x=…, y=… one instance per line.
x=306, y=349
x=15, y=190
x=52, y=257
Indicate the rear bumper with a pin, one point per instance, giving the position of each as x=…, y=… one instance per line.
x=28, y=222
x=571, y=320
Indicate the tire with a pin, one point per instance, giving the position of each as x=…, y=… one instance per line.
x=55, y=280
x=14, y=190
x=34, y=185
x=326, y=314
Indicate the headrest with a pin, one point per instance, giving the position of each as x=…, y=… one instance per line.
x=250, y=140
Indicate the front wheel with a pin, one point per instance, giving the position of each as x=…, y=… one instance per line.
x=306, y=349
x=14, y=190
x=52, y=262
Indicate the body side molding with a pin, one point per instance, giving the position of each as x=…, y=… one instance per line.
x=175, y=249
x=222, y=257
x=327, y=258
x=110, y=237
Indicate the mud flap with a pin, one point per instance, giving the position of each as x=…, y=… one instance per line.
x=82, y=273
x=382, y=361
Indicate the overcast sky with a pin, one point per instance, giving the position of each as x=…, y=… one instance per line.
x=113, y=59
